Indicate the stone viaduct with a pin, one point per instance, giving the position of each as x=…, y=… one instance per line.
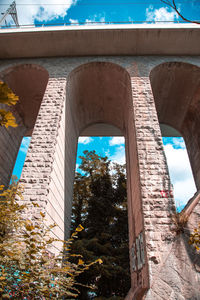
x=136, y=81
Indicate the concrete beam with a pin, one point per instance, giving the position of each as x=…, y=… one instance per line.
x=140, y=39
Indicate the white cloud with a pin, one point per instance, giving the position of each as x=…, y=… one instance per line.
x=38, y=10
x=94, y=20
x=178, y=142
x=74, y=22
x=130, y=19
x=85, y=140
x=180, y=173
x=117, y=140
x=119, y=155
x=162, y=14
x=25, y=144
x=107, y=152
x=183, y=191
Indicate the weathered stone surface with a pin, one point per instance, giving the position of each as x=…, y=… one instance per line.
x=115, y=90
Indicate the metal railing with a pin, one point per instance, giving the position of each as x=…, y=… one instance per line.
x=92, y=23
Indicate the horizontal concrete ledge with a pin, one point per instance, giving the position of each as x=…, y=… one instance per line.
x=137, y=39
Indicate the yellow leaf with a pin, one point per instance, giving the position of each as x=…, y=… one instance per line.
x=100, y=261
x=29, y=226
x=2, y=278
x=79, y=228
x=7, y=118
x=80, y=262
x=42, y=214
x=6, y=95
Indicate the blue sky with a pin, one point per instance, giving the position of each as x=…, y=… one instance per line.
x=81, y=11
x=21, y=157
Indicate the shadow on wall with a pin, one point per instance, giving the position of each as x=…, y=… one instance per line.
x=29, y=83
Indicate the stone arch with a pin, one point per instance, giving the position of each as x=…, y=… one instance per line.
x=100, y=92
x=101, y=129
x=29, y=82
x=176, y=90
x=107, y=91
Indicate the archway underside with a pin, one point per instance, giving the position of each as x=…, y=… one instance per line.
x=176, y=89
x=97, y=94
x=29, y=83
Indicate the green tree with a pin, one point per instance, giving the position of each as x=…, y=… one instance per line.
x=104, y=216
x=80, y=200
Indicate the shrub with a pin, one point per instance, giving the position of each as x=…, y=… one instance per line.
x=28, y=267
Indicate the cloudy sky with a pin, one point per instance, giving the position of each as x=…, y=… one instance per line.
x=82, y=11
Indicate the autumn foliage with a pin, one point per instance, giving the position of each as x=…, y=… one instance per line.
x=28, y=268
x=195, y=238
x=8, y=98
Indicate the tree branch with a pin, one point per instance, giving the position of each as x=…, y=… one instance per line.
x=173, y=5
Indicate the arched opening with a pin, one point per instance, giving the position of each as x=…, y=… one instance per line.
x=176, y=90
x=179, y=166
x=100, y=206
x=29, y=83
x=100, y=93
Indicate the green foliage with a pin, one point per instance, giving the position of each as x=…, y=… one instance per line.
x=9, y=98
x=100, y=204
x=28, y=267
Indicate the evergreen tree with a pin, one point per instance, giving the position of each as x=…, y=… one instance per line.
x=100, y=206
x=80, y=200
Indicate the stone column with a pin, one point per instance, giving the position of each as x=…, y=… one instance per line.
x=156, y=190
x=44, y=176
x=170, y=261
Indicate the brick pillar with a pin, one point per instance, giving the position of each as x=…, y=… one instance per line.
x=138, y=259
x=156, y=200
x=44, y=174
x=171, y=261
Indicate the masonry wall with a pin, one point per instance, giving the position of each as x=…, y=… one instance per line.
x=172, y=274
